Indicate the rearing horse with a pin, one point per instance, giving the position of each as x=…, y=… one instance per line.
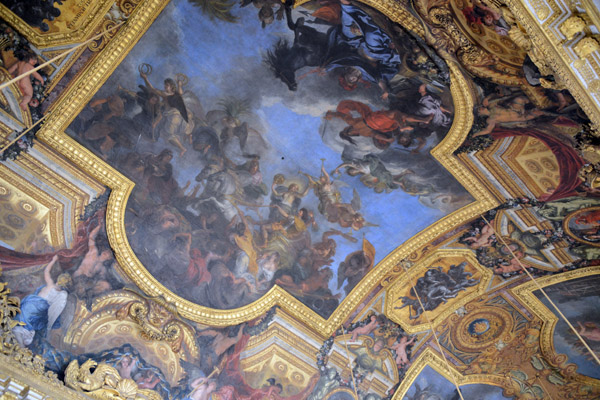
x=309, y=49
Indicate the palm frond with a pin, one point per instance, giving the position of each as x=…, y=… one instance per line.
x=235, y=107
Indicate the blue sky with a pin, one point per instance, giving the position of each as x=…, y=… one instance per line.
x=223, y=59
x=563, y=336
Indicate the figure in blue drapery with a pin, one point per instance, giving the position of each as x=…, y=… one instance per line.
x=358, y=31
x=359, y=44
x=355, y=43
x=40, y=311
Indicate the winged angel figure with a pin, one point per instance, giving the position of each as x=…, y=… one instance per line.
x=347, y=215
x=179, y=109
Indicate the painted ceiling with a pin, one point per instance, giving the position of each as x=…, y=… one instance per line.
x=334, y=199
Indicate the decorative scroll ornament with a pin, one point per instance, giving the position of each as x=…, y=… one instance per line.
x=572, y=27
x=586, y=46
x=105, y=382
x=447, y=37
x=158, y=320
x=590, y=173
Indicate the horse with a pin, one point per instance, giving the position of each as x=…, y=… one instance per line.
x=309, y=49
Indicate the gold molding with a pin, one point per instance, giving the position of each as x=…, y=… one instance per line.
x=55, y=207
x=82, y=90
x=554, y=51
x=447, y=309
x=430, y=358
x=261, y=359
x=42, y=40
x=12, y=374
x=105, y=382
x=524, y=294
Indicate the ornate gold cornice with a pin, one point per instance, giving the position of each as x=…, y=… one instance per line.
x=94, y=12
x=404, y=283
x=83, y=89
x=525, y=294
x=431, y=358
x=580, y=73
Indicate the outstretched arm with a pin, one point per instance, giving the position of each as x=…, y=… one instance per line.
x=150, y=87
x=311, y=180
x=337, y=169
x=324, y=173
x=306, y=189
x=329, y=115
x=37, y=76
x=47, y=276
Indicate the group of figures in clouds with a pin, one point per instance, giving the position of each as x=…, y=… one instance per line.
x=48, y=313
x=245, y=225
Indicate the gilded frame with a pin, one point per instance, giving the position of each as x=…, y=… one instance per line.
x=417, y=270
x=82, y=90
x=431, y=358
x=45, y=41
x=524, y=294
x=540, y=19
x=569, y=231
x=82, y=30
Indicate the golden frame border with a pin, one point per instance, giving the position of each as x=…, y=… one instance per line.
x=43, y=40
x=568, y=230
x=33, y=385
x=95, y=74
x=430, y=357
x=416, y=270
x=524, y=295
x=55, y=208
x=550, y=46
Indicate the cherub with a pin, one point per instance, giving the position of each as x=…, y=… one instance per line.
x=21, y=67
x=508, y=267
x=400, y=348
x=126, y=365
x=483, y=239
x=147, y=380
x=365, y=329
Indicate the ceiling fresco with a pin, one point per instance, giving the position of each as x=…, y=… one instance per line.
x=317, y=200
x=279, y=176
